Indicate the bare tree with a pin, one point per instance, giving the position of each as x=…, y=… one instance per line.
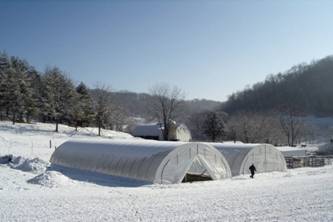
x=102, y=106
x=165, y=104
x=243, y=128
x=292, y=124
x=252, y=127
x=118, y=118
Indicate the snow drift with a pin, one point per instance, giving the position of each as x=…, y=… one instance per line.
x=51, y=179
x=35, y=165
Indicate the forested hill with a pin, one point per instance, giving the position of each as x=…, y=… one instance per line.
x=135, y=104
x=307, y=88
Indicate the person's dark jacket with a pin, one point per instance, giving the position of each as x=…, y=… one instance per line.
x=252, y=168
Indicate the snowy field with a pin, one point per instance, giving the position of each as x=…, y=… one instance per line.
x=33, y=140
x=28, y=193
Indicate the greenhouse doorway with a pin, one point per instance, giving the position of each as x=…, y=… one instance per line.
x=197, y=172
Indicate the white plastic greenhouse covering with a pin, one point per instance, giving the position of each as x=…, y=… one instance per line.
x=151, y=161
x=265, y=157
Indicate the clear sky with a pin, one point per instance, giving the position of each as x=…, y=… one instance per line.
x=207, y=48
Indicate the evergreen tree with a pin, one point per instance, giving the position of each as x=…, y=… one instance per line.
x=18, y=92
x=59, y=95
x=83, y=112
x=32, y=105
x=214, y=125
x=4, y=66
x=14, y=95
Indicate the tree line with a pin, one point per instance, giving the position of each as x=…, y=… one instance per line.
x=273, y=111
x=51, y=96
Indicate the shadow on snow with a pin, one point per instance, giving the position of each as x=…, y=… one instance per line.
x=97, y=178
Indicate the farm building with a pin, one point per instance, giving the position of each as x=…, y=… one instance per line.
x=326, y=148
x=289, y=151
x=150, y=161
x=265, y=157
x=178, y=132
x=148, y=131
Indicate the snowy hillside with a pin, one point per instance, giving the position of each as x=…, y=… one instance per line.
x=33, y=140
x=29, y=193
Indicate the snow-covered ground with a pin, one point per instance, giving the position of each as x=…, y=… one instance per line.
x=33, y=140
x=28, y=193
x=297, y=195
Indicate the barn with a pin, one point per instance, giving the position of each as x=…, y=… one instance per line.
x=177, y=132
x=152, y=131
x=265, y=157
x=150, y=161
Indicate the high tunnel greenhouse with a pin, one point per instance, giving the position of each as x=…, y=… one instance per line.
x=150, y=161
x=265, y=157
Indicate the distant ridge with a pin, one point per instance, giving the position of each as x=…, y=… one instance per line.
x=307, y=88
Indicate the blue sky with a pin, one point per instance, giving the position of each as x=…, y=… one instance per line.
x=207, y=48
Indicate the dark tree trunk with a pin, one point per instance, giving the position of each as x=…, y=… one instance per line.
x=99, y=128
x=14, y=118
x=28, y=119
x=213, y=138
x=76, y=125
x=57, y=123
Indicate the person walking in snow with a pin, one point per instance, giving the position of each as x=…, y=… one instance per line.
x=252, y=169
